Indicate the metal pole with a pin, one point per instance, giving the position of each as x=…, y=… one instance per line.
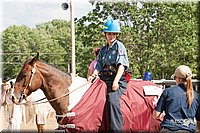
x=73, y=66
x=198, y=24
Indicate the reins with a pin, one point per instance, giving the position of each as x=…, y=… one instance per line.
x=51, y=100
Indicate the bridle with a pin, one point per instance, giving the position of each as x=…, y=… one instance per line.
x=23, y=95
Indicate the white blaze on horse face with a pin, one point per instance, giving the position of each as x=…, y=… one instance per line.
x=16, y=94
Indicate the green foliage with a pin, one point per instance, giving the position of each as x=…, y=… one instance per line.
x=158, y=38
x=22, y=43
x=198, y=25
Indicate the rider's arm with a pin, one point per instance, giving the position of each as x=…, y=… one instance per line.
x=120, y=71
x=94, y=75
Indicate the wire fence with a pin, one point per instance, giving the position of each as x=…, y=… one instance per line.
x=17, y=59
x=167, y=83
x=28, y=54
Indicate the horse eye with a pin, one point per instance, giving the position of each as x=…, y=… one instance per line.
x=25, y=75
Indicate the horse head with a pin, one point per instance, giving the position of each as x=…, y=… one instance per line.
x=27, y=81
x=36, y=74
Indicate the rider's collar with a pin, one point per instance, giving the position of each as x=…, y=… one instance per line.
x=113, y=43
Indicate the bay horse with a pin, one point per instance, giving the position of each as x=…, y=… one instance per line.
x=36, y=74
x=88, y=114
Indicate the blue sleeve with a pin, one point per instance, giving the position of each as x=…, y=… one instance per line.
x=122, y=57
x=161, y=102
x=197, y=116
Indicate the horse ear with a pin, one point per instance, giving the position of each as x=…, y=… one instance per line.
x=34, y=59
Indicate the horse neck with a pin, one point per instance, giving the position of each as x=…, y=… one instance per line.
x=55, y=85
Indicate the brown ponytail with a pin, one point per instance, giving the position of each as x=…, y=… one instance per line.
x=189, y=91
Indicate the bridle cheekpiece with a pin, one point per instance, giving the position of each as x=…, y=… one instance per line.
x=23, y=95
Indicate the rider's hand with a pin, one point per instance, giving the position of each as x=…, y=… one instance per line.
x=92, y=78
x=115, y=86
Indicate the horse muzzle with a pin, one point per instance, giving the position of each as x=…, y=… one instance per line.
x=15, y=101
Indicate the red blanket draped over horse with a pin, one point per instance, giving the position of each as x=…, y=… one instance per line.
x=136, y=108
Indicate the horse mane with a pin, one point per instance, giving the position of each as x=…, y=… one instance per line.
x=67, y=75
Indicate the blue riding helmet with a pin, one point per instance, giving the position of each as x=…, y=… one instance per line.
x=147, y=76
x=111, y=26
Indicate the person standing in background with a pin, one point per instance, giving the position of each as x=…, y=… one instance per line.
x=2, y=114
x=14, y=111
x=93, y=63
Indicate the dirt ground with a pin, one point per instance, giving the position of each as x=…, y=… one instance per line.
x=50, y=126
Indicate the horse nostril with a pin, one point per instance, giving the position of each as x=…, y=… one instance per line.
x=23, y=97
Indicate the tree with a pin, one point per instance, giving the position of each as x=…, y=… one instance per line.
x=158, y=38
x=153, y=33
x=21, y=40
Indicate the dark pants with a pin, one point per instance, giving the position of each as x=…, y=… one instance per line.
x=113, y=103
